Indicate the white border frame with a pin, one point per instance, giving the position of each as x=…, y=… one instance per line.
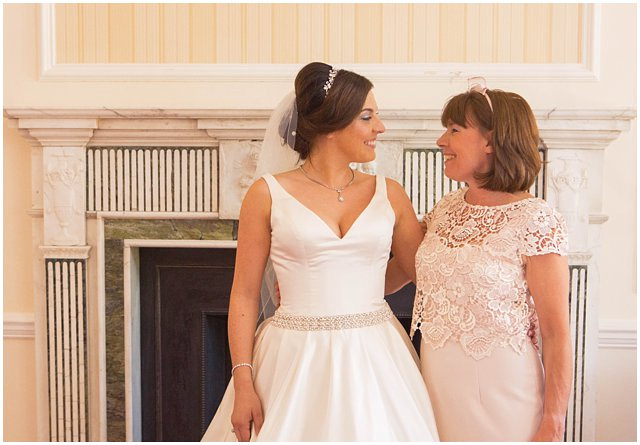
x=132, y=377
x=51, y=70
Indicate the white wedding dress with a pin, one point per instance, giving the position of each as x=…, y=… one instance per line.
x=333, y=363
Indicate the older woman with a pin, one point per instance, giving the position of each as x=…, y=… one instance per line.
x=491, y=271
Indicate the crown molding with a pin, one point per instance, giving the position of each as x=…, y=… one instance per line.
x=561, y=129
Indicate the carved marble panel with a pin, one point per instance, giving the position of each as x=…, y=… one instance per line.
x=238, y=161
x=568, y=176
x=64, y=196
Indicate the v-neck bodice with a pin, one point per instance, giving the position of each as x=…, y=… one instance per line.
x=320, y=273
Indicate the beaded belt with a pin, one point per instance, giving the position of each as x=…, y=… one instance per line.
x=331, y=322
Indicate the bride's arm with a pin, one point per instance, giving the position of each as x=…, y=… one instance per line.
x=254, y=240
x=407, y=236
x=395, y=278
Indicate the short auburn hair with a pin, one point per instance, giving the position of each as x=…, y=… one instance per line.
x=514, y=136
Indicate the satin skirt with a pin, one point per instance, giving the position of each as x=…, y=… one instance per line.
x=497, y=398
x=360, y=384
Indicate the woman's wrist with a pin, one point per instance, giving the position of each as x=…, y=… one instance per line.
x=242, y=377
x=553, y=422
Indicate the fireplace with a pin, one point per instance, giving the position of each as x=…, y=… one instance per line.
x=108, y=184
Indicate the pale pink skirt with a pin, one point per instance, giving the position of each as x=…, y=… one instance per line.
x=497, y=398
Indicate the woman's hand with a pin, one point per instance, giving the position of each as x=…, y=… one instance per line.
x=247, y=409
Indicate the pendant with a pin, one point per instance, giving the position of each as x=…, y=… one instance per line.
x=340, y=198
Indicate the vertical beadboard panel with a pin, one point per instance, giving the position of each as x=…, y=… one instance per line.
x=169, y=41
x=433, y=33
x=285, y=25
x=452, y=35
x=368, y=33
x=580, y=24
x=311, y=32
x=502, y=33
x=229, y=33
x=72, y=32
x=67, y=33
x=426, y=33
x=299, y=33
x=517, y=33
x=565, y=33
x=147, y=33
x=102, y=33
x=509, y=33
x=87, y=34
x=473, y=27
x=395, y=44
x=537, y=46
x=183, y=34
x=479, y=20
x=340, y=32
x=203, y=33
x=61, y=35
x=418, y=32
x=121, y=33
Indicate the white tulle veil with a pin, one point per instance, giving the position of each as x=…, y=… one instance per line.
x=276, y=156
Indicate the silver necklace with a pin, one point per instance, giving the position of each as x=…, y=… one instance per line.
x=339, y=190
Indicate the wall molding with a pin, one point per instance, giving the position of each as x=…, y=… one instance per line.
x=588, y=70
x=19, y=325
x=617, y=334
x=612, y=333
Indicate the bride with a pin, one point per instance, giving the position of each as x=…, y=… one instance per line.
x=333, y=363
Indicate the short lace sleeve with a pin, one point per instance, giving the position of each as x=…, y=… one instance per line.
x=544, y=231
x=427, y=218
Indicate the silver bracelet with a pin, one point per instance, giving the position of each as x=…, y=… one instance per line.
x=242, y=364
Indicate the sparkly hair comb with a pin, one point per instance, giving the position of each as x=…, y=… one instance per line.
x=329, y=83
x=479, y=85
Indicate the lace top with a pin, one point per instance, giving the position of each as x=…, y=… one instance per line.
x=471, y=286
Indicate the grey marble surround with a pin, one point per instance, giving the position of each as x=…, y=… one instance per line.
x=115, y=232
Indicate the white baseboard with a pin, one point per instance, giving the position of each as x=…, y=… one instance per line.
x=617, y=334
x=19, y=325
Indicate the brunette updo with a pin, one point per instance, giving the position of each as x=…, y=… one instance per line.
x=318, y=114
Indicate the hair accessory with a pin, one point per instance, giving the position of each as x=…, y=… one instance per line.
x=329, y=83
x=242, y=364
x=479, y=85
